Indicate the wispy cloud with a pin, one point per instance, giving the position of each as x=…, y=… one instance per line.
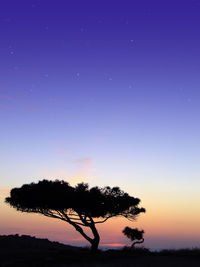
x=6, y=99
x=84, y=161
x=82, y=172
x=99, y=139
x=85, y=166
x=63, y=150
x=55, y=173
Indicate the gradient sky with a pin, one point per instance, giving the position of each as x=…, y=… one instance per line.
x=105, y=92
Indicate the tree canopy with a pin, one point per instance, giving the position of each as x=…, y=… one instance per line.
x=80, y=206
x=134, y=234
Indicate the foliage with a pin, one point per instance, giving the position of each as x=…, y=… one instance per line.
x=79, y=205
x=134, y=234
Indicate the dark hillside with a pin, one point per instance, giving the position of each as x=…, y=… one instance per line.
x=18, y=250
x=29, y=242
x=27, y=251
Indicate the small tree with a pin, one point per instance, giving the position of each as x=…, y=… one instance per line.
x=79, y=206
x=134, y=234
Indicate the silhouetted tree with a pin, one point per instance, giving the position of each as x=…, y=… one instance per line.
x=79, y=206
x=134, y=234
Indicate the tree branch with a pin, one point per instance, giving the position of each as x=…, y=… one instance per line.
x=78, y=228
x=104, y=220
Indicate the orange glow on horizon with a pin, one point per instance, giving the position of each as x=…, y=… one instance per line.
x=113, y=245
x=162, y=221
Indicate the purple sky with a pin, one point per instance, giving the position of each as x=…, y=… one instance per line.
x=107, y=91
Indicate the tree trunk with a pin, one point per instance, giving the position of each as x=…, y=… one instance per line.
x=94, y=245
x=95, y=241
x=137, y=242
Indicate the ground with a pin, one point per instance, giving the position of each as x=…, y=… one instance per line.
x=26, y=251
